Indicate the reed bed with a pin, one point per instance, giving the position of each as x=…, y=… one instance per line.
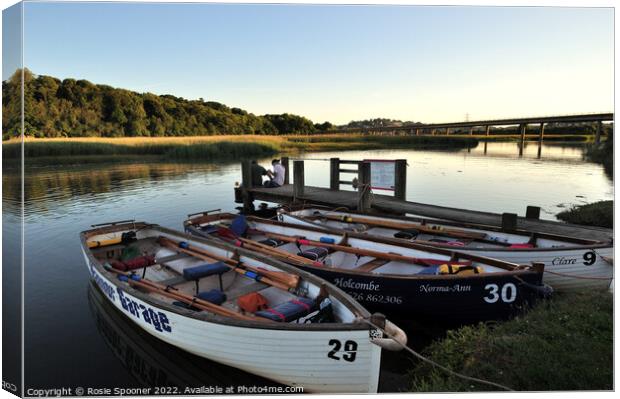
x=220, y=147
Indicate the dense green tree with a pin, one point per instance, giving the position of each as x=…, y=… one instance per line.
x=288, y=123
x=75, y=108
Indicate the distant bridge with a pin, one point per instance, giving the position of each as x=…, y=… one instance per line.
x=434, y=128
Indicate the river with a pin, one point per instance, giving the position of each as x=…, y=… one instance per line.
x=72, y=340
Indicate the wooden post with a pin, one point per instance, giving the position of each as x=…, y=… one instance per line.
x=599, y=128
x=284, y=162
x=334, y=173
x=487, y=130
x=400, y=179
x=298, y=179
x=363, y=202
x=246, y=183
x=532, y=212
x=509, y=221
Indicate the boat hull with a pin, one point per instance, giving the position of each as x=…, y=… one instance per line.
x=575, y=267
x=448, y=301
x=315, y=361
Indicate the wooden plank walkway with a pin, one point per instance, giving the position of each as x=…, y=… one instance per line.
x=388, y=204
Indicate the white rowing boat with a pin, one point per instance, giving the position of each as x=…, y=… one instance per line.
x=569, y=262
x=185, y=291
x=403, y=282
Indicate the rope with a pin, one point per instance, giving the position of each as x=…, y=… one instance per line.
x=435, y=364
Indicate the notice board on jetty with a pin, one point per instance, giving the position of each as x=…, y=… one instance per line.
x=382, y=174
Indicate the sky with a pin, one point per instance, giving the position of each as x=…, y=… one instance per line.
x=336, y=63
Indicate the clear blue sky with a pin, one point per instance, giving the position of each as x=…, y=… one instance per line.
x=336, y=63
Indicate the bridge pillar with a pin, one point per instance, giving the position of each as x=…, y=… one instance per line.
x=487, y=129
x=417, y=131
x=447, y=131
x=541, y=136
x=599, y=129
x=522, y=128
x=471, y=130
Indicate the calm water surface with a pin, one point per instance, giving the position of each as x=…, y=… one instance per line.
x=72, y=339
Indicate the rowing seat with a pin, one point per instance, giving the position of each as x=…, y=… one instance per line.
x=214, y=296
x=314, y=253
x=289, y=311
x=197, y=272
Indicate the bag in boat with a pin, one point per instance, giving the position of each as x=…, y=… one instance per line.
x=409, y=234
x=314, y=253
x=136, y=263
x=252, y=302
x=464, y=270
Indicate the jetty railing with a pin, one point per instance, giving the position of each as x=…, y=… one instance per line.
x=339, y=167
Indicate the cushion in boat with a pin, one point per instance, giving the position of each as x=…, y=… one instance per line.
x=214, y=296
x=239, y=225
x=288, y=311
x=272, y=242
x=408, y=234
x=209, y=229
x=196, y=272
x=314, y=253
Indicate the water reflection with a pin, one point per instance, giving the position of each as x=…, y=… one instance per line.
x=152, y=362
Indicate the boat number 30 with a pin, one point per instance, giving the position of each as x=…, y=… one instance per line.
x=508, y=293
x=349, y=349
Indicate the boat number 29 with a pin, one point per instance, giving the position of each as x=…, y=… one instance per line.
x=349, y=349
x=507, y=293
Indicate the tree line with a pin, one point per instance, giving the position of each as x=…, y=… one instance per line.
x=79, y=108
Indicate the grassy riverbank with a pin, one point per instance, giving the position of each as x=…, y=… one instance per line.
x=565, y=343
x=599, y=214
x=219, y=147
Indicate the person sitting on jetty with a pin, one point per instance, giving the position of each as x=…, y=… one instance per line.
x=277, y=176
x=257, y=174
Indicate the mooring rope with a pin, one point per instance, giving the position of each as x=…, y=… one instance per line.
x=435, y=364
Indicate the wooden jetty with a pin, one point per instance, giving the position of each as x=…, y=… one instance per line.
x=365, y=200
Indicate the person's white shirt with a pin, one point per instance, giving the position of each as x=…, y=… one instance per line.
x=278, y=174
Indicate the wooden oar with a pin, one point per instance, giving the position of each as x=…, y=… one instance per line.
x=260, y=273
x=404, y=226
x=266, y=249
x=356, y=251
x=189, y=300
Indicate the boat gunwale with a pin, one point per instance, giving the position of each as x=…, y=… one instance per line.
x=354, y=307
x=512, y=269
